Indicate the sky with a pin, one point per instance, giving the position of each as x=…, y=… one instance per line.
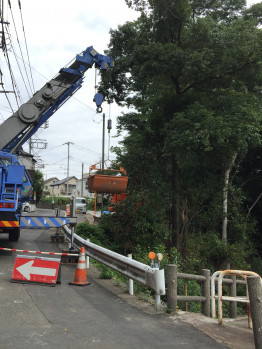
x=55, y=32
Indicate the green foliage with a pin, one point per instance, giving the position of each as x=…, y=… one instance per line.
x=92, y=232
x=58, y=200
x=90, y=204
x=105, y=272
x=38, y=184
x=209, y=251
x=191, y=71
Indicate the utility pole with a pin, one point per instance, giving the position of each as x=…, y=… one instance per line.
x=68, y=145
x=30, y=145
x=82, y=182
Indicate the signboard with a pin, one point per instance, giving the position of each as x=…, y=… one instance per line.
x=36, y=269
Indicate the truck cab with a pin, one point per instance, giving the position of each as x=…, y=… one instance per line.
x=80, y=205
x=15, y=187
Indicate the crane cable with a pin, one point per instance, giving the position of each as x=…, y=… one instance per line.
x=109, y=135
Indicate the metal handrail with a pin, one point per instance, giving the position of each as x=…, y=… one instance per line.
x=220, y=274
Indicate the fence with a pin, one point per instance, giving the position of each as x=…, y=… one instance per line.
x=173, y=297
x=232, y=298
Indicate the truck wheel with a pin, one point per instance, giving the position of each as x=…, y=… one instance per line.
x=14, y=234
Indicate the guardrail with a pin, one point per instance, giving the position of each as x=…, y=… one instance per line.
x=152, y=278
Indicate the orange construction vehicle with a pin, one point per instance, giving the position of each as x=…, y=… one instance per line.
x=108, y=184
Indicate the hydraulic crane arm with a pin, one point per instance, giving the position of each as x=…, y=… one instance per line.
x=19, y=127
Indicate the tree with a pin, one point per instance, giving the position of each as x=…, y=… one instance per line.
x=192, y=72
x=38, y=185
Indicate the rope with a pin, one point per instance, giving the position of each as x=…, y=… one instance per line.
x=38, y=252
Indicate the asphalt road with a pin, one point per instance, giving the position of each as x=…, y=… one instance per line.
x=65, y=316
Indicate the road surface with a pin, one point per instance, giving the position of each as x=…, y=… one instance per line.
x=65, y=316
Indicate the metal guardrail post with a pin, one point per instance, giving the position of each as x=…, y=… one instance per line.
x=220, y=297
x=213, y=293
x=73, y=213
x=130, y=281
x=172, y=287
x=87, y=258
x=157, y=294
x=255, y=296
x=205, y=286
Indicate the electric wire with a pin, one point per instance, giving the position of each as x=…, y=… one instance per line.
x=16, y=89
x=20, y=50
x=84, y=149
x=19, y=67
x=12, y=79
x=5, y=108
x=22, y=21
x=6, y=95
x=6, y=55
x=2, y=117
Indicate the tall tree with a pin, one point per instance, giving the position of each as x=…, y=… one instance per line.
x=38, y=185
x=192, y=72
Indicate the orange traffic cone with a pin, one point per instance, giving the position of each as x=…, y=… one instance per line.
x=80, y=274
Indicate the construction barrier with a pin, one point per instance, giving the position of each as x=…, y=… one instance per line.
x=32, y=222
x=46, y=270
x=68, y=210
x=38, y=252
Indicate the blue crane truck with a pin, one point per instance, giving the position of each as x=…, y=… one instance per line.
x=15, y=182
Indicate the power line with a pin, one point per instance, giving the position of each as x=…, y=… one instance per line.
x=19, y=68
x=84, y=149
x=20, y=49
x=19, y=3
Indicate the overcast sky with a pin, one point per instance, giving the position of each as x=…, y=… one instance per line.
x=56, y=31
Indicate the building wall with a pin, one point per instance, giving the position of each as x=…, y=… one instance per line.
x=61, y=189
x=48, y=190
x=77, y=191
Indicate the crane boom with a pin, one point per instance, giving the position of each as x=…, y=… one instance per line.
x=15, y=183
x=20, y=126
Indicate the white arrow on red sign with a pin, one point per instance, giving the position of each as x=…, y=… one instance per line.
x=27, y=269
x=36, y=269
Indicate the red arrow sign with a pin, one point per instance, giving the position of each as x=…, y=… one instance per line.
x=36, y=269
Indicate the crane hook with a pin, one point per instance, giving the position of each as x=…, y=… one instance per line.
x=98, y=99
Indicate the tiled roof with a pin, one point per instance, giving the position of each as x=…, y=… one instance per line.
x=62, y=181
x=51, y=179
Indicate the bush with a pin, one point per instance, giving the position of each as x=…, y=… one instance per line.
x=92, y=232
x=58, y=200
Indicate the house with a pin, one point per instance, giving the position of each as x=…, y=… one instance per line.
x=28, y=161
x=48, y=190
x=81, y=187
x=59, y=188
